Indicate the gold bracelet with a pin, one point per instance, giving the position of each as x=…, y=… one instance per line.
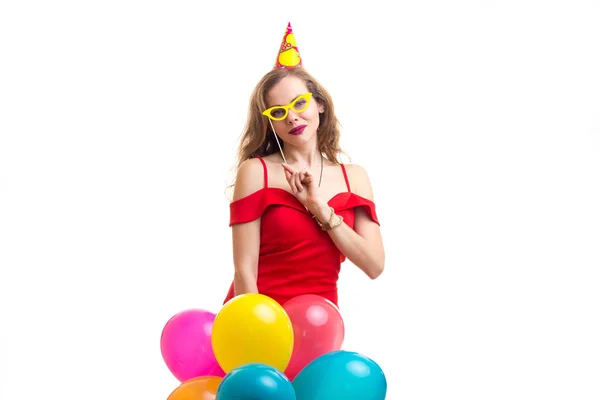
x=329, y=225
x=319, y=222
x=340, y=220
x=331, y=217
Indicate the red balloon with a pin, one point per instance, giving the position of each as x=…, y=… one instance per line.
x=318, y=329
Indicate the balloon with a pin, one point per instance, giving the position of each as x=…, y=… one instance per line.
x=252, y=328
x=186, y=345
x=318, y=329
x=201, y=388
x=255, y=381
x=341, y=375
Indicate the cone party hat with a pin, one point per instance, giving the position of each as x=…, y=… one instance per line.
x=288, y=55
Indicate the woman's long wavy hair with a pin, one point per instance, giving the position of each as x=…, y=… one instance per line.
x=257, y=138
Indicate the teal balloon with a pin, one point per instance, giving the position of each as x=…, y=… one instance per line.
x=340, y=375
x=255, y=381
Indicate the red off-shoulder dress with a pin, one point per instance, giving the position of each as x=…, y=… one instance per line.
x=296, y=257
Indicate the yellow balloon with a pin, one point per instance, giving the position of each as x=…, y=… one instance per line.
x=252, y=328
x=200, y=388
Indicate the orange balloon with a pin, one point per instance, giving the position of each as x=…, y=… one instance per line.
x=200, y=388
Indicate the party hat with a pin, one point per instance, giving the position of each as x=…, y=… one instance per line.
x=288, y=56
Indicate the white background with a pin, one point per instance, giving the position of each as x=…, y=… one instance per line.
x=479, y=125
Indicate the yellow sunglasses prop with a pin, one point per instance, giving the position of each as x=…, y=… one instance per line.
x=298, y=105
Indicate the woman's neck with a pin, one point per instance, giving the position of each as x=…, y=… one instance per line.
x=302, y=157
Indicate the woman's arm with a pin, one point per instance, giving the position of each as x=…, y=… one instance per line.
x=363, y=246
x=246, y=236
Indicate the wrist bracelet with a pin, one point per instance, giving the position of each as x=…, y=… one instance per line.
x=329, y=225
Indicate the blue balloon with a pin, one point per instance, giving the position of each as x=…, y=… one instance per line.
x=255, y=381
x=340, y=375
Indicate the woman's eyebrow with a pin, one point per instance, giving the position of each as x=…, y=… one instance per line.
x=281, y=105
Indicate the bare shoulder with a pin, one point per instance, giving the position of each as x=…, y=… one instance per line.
x=249, y=178
x=360, y=183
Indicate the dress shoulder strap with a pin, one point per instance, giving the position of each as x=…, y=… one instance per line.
x=265, y=171
x=345, y=176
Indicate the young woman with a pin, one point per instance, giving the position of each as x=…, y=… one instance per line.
x=297, y=212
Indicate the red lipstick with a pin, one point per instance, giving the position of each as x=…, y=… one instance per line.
x=297, y=130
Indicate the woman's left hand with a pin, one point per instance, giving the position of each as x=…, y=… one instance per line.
x=303, y=184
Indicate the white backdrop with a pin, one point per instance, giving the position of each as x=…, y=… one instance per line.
x=478, y=122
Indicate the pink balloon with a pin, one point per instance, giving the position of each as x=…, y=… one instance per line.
x=186, y=345
x=318, y=329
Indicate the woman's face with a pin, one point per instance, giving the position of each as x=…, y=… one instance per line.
x=298, y=126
